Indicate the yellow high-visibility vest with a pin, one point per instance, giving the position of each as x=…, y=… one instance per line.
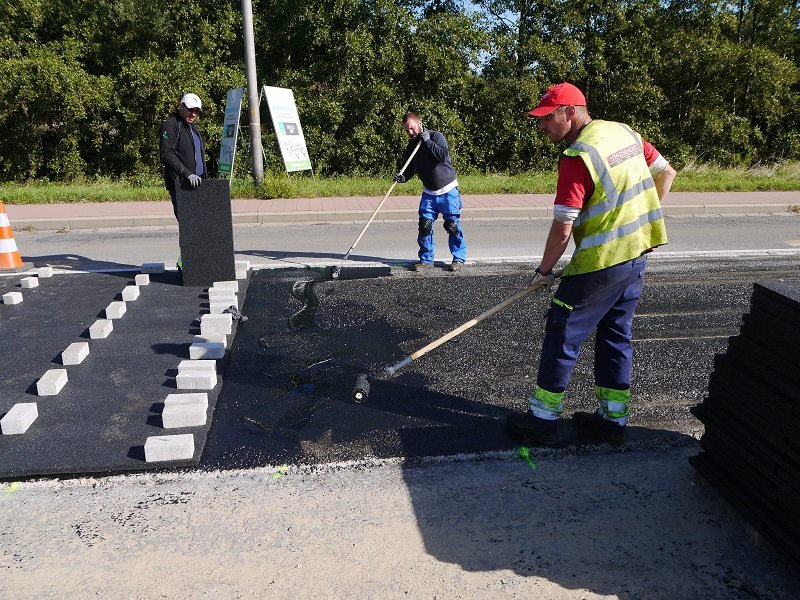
x=623, y=217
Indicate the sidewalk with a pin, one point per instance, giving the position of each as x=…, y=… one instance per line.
x=93, y=215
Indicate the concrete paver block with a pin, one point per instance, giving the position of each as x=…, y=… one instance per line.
x=153, y=268
x=142, y=279
x=216, y=324
x=241, y=267
x=12, y=298
x=101, y=329
x=52, y=382
x=200, y=398
x=116, y=309
x=75, y=353
x=44, y=272
x=233, y=285
x=183, y=415
x=27, y=283
x=196, y=380
x=169, y=447
x=217, y=308
x=130, y=293
x=197, y=366
x=19, y=418
x=208, y=339
x=206, y=350
x=222, y=295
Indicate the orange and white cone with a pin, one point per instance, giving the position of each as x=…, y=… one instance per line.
x=10, y=260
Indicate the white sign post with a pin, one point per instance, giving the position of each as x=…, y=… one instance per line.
x=287, y=127
x=230, y=131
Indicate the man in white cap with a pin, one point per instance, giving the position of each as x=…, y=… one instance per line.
x=182, y=148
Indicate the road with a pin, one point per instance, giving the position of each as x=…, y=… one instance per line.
x=585, y=523
x=290, y=244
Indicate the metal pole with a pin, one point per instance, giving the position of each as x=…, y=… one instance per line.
x=253, y=99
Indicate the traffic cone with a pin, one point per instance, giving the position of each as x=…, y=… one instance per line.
x=10, y=260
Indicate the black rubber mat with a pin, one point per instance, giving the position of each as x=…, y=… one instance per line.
x=100, y=420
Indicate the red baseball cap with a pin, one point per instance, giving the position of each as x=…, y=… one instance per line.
x=563, y=94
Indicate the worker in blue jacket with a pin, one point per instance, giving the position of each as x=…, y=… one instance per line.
x=440, y=195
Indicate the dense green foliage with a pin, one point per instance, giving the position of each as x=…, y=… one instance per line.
x=85, y=84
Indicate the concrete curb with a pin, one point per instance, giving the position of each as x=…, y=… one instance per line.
x=361, y=216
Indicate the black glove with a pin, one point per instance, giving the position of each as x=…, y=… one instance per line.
x=399, y=178
x=425, y=135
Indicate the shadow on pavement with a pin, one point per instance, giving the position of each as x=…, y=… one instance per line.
x=302, y=255
x=75, y=262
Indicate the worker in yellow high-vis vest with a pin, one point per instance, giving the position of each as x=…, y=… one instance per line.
x=610, y=186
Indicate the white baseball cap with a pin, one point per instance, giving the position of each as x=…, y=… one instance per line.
x=192, y=101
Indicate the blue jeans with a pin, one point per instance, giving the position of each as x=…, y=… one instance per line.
x=449, y=206
x=605, y=300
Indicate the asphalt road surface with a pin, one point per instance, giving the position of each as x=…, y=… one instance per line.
x=302, y=243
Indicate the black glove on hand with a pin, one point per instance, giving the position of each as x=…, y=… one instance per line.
x=399, y=178
x=425, y=135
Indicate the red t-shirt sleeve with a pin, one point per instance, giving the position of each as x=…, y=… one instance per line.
x=651, y=155
x=574, y=182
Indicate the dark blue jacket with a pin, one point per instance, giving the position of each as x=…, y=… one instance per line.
x=431, y=162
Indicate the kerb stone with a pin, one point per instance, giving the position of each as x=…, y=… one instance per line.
x=216, y=324
x=19, y=418
x=196, y=380
x=200, y=398
x=116, y=309
x=209, y=339
x=242, y=267
x=197, y=366
x=169, y=447
x=12, y=298
x=222, y=294
x=231, y=285
x=101, y=328
x=206, y=350
x=52, y=382
x=183, y=415
x=130, y=293
x=75, y=353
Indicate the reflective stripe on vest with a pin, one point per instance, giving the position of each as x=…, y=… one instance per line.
x=623, y=217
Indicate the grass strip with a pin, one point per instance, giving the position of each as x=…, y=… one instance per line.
x=692, y=178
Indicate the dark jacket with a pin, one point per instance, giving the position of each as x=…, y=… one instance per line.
x=431, y=162
x=177, y=152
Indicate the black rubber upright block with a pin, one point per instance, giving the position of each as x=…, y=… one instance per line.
x=782, y=299
x=205, y=231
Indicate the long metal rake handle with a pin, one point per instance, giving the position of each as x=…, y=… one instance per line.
x=392, y=369
x=374, y=213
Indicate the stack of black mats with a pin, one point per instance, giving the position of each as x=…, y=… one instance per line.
x=751, y=445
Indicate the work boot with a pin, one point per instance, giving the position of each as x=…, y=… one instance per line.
x=593, y=425
x=422, y=266
x=532, y=429
x=455, y=266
